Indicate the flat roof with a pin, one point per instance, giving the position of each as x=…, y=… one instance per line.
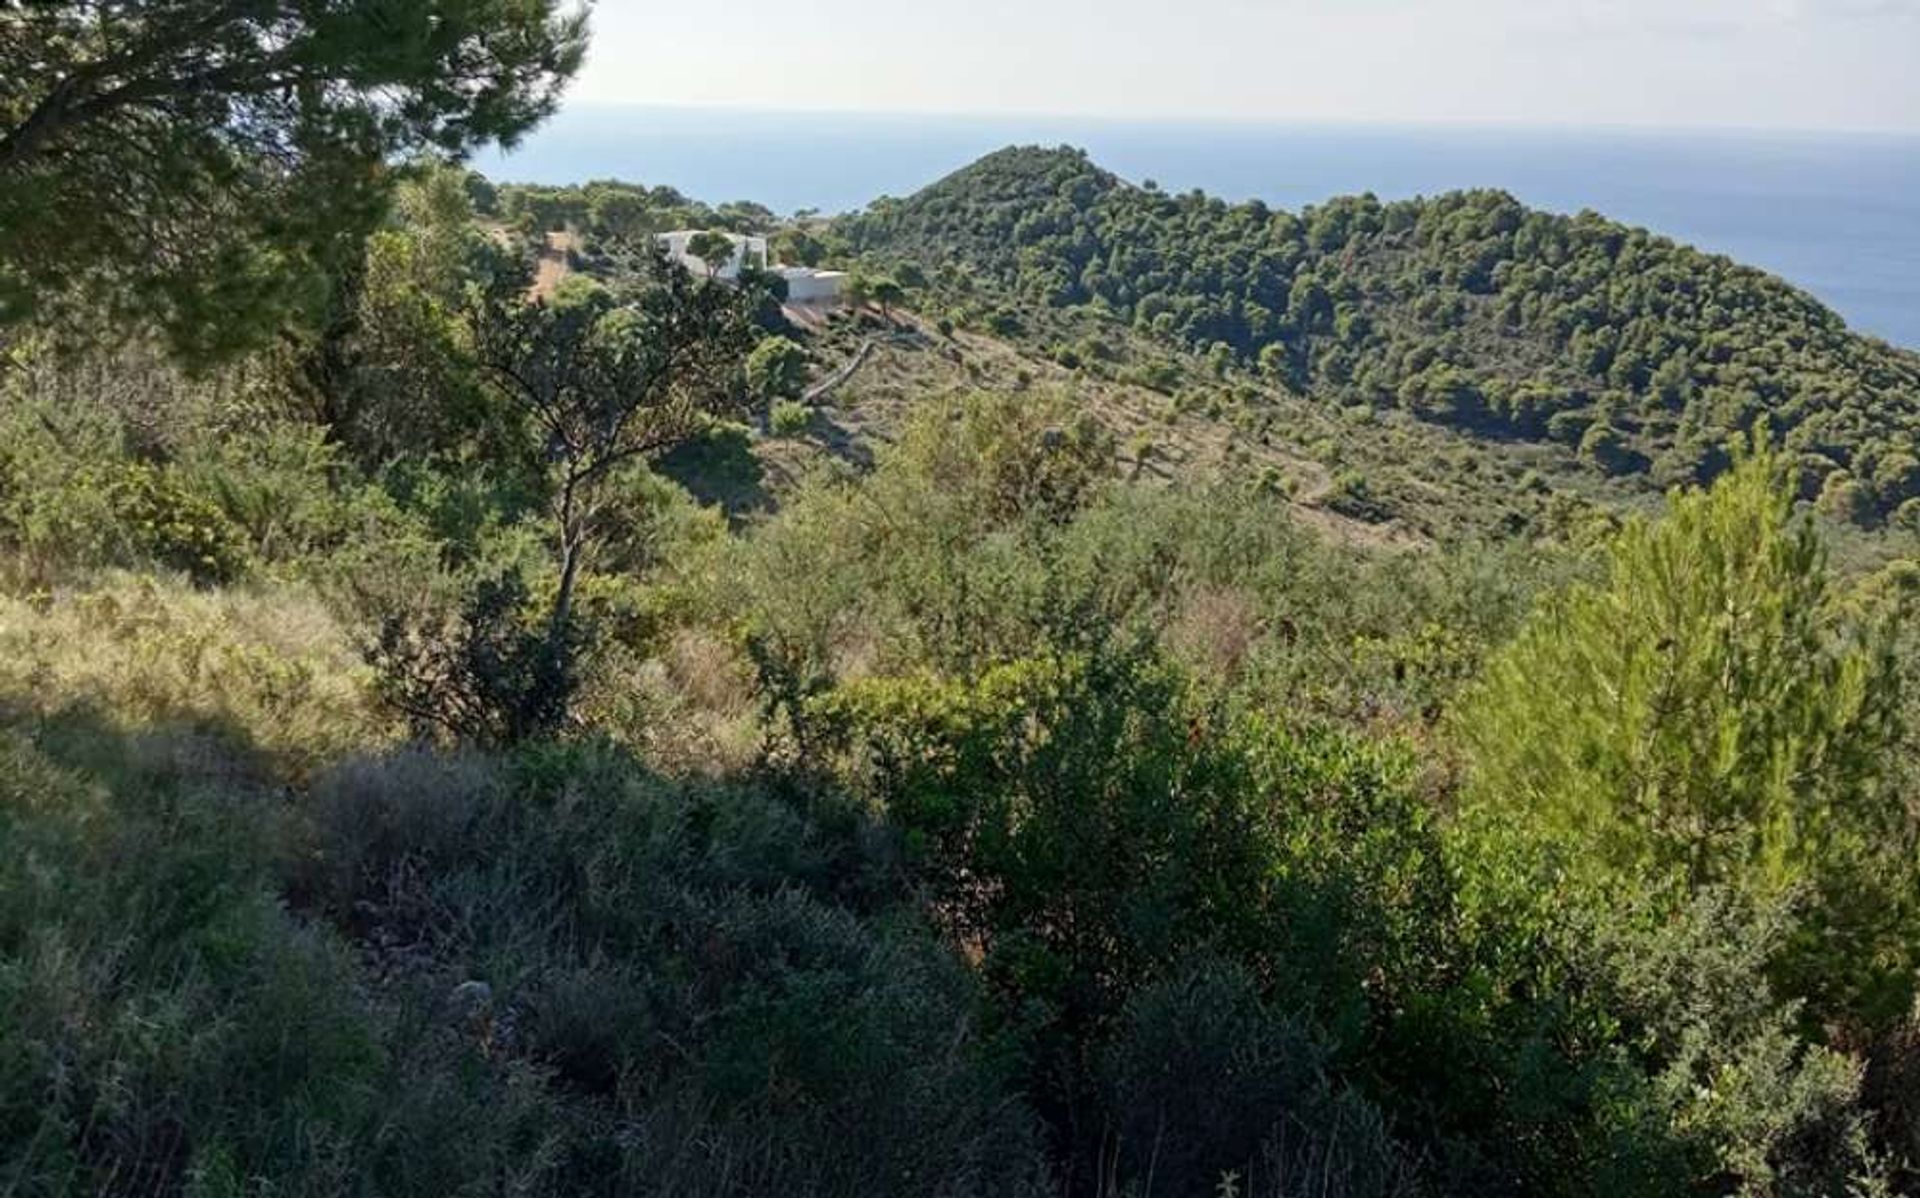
x=722, y=232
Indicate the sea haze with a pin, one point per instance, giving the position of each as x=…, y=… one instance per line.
x=1838, y=215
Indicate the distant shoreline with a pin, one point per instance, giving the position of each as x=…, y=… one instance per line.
x=1837, y=215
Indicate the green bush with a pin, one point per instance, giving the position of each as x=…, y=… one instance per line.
x=1087, y=824
x=492, y=673
x=177, y=527
x=791, y=419
x=777, y=369
x=691, y=964
x=1206, y=1081
x=1707, y=713
x=168, y=1020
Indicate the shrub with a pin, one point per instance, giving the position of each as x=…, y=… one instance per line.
x=777, y=369
x=1352, y=495
x=1893, y=1093
x=1086, y=823
x=1734, y=1079
x=791, y=419
x=1206, y=1081
x=689, y=974
x=177, y=527
x=486, y=674
x=168, y=1022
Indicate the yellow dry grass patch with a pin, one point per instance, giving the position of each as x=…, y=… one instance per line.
x=267, y=666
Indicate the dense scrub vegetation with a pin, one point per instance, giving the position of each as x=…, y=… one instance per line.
x=1049, y=831
x=1468, y=309
x=408, y=786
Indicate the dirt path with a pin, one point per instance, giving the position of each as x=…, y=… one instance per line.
x=552, y=267
x=840, y=377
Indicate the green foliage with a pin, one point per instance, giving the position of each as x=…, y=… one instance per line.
x=1706, y=712
x=492, y=674
x=714, y=248
x=205, y=165
x=777, y=369
x=790, y=419
x=608, y=216
x=1207, y=1080
x=165, y=925
x=1736, y=1081
x=1684, y=1061
x=176, y=527
x=1468, y=309
x=1079, y=820
x=887, y=292
x=1052, y=833
x=1006, y=459
x=391, y=374
x=197, y=475
x=607, y=380
x=143, y=945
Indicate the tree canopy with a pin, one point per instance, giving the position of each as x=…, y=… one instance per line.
x=1468, y=309
x=1709, y=713
x=200, y=163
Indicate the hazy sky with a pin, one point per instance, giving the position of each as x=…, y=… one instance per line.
x=1794, y=64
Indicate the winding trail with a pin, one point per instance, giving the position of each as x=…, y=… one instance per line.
x=840, y=377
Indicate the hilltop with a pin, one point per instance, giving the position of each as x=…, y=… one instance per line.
x=1468, y=310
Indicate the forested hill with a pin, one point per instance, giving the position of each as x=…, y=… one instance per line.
x=1469, y=309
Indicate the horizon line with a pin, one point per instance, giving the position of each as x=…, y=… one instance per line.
x=1331, y=123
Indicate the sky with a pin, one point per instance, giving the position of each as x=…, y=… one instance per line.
x=1816, y=65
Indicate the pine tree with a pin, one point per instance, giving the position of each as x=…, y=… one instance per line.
x=1707, y=716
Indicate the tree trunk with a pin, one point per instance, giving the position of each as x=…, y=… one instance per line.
x=573, y=544
x=571, y=548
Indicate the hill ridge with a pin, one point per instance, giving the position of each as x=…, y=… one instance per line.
x=1641, y=353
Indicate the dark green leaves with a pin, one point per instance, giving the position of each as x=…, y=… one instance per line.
x=207, y=165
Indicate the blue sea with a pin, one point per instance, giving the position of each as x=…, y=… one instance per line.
x=1838, y=215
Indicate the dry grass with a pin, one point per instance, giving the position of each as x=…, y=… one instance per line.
x=1214, y=629
x=269, y=667
x=692, y=709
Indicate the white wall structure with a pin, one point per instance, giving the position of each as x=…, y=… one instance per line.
x=805, y=285
x=745, y=250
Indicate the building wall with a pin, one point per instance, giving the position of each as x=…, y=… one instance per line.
x=744, y=249
x=816, y=288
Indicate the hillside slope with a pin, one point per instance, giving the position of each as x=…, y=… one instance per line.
x=1363, y=477
x=1468, y=309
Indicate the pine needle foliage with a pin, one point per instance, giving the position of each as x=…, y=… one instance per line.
x=1707, y=714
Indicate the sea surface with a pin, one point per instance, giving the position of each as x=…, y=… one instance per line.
x=1838, y=215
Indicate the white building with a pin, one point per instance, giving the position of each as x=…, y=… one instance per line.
x=745, y=250
x=805, y=285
